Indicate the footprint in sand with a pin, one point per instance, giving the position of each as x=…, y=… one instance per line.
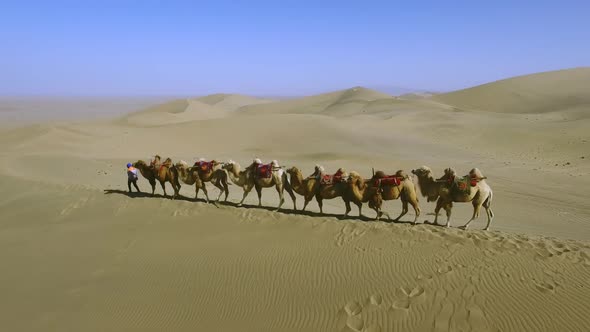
x=376, y=299
x=408, y=296
x=354, y=321
x=73, y=206
x=545, y=287
x=444, y=269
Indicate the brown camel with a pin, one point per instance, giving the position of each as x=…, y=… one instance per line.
x=448, y=189
x=163, y=172
x=198, y=176
x=277, y=179
x=147, y=172
x=312, y=186
x=382, y=187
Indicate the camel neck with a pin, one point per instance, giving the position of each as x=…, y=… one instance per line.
x=297, y=183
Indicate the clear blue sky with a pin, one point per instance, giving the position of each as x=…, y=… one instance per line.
x=281, y=47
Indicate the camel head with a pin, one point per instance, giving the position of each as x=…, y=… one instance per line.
x=428, y=186
x=422, y=172
x=139, y=164
x=182, y=164
x=229, y=165
x=293, y=170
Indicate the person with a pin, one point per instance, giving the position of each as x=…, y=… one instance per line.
x=132, y=177
x=318, y=172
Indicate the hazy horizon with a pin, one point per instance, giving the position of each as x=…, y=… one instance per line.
x=66, y=48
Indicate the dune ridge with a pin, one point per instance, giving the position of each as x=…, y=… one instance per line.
x=562, y=90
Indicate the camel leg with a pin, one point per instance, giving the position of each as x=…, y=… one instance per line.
x=404, y=210
x=293, y=197
x=439, y=205
x=360, y=206
x=153, y=184
x=348, y=208
x=204, y=188
x=176, y=190
x=196, y=191
x=280, y=189
x=416, y=207
x=448, y=208
x=163, y=184
x=226, y=189
x=307, y=199
x=487, y=204
x=287, y=186
x=379, y=213
x=259, y=192
x=246, y=192
x=490, y=214
x=220, y=187
x=320, y=203
x=476, y=208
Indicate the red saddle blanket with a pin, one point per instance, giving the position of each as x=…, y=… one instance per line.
x=204, y=166
x=462, y=182
x=264, y=171
x=390, y=180
x=328, y=179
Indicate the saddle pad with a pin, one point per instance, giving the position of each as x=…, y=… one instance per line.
x=204, y=166
x=390, y=180
x=327, y=179
x=264, y=171
x=463, y=185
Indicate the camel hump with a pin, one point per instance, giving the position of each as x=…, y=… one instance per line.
x=401, y=174
x=167, y=162
x=380, y=174
x=355, y=174
x=475, y=173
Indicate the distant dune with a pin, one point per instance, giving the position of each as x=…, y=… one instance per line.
x=349, y=102
x=194, y=109
x=562, y=90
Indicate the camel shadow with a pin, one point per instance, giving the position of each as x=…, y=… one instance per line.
x=251, y=206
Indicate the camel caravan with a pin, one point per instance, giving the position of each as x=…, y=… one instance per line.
x=351, y=187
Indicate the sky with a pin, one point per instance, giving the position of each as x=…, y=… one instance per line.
x=283, y=48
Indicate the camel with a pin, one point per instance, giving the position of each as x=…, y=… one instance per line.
x=198, y=177
x=278, y=179
x=444, y=191
x=163, y=172
x=382, y=187
x=147, y=172
x=312, y=186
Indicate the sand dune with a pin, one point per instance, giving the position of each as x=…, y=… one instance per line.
x=555, y=91
x=79, y=253
x=351, y=102
x=187, y=110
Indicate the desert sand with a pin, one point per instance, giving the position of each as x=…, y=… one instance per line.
x=78, y=253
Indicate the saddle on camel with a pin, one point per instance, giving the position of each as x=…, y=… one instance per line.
x=327, y=179
x=381, y=179
x=460, y=184
x=205, y=166
x=262, y=171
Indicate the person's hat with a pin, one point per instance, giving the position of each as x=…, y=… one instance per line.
x=129, y=165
